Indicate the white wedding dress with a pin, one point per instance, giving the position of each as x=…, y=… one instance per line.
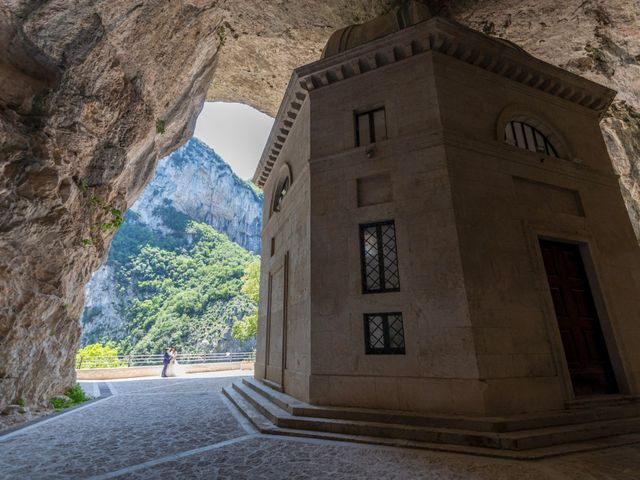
x=175, y=369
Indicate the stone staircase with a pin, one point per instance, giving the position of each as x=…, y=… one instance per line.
x=585, y=425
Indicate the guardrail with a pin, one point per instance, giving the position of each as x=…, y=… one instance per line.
x=123, y=361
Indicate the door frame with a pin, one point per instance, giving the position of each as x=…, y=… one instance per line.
x=590, y=259
x=284, y=265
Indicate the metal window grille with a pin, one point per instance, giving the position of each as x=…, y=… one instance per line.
x=523, y=135
x=379, y=258
x=371, y=126
x=280, y=194
x=384, y=333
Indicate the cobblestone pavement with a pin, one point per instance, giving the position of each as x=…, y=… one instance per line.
x=184, y=428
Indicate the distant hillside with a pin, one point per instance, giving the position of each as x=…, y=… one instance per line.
x=173, y=274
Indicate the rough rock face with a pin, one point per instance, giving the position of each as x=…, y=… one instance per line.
x=87, y=88
x=195, y=181
x=85, y=82
x=266, y=39
x=101, y=294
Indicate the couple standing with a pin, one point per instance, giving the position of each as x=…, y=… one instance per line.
x=170, y=367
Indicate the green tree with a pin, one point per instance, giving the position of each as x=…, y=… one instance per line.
x=92, y=356
x=247, y=327
x=184, y=289
x=189, y=296
x=251, y=281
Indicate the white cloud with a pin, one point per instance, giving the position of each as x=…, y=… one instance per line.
x=236, y=132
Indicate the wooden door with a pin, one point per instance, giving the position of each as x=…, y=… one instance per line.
x=584, y=345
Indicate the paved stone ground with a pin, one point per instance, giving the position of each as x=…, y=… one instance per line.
x=184, y=428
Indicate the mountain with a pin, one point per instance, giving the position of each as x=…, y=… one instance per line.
x=174, y=271
x=195, y=181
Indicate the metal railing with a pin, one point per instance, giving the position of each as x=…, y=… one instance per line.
x=123, y=361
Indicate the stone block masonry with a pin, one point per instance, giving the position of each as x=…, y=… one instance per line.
x=494, y=232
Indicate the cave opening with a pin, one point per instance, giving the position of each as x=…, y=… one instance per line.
x=92, y=97
x=183, y=267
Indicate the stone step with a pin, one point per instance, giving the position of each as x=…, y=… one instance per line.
x=604, y=401
x=264, y=425
x=550, y=436
x=256, y=418
x=520, y=440
x=270, y=411
x=489, y=424
x=302, y=409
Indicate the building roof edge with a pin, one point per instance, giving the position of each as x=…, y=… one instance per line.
x=494, y=55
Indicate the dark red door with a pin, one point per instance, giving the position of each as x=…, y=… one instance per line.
x=584, y=345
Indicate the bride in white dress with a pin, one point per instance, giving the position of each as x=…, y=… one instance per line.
x=174, y=369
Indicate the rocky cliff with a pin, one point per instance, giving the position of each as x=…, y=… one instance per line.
x=88, y=87
x=192, y=183
x=195, y=181
x=93, y=94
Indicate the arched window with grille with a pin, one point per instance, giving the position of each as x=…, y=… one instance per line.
x=280, y=193
x=524, y=135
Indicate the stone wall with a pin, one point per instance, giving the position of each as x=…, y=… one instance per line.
x=283, y=353
x=93, y=93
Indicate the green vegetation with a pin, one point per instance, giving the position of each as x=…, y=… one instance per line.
x=74, y=396
x=247, y=327
x=186, y=298
x=222, y=36
x=60, y=403
x=186, y=288
x=254, y=188
x=94, y=202
x=160, y=126
x=251, y=281
x=98, y=350
x=116, y=221
x=89, y=356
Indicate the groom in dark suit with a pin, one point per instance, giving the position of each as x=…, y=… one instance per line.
x=166, y=361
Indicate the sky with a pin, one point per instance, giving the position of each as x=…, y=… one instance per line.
x=236, y=132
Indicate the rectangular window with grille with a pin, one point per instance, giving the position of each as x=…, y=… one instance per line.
x=371, y=127
x=383, y=333
x=379, y=258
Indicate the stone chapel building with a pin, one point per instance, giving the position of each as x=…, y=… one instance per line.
x=443, y=230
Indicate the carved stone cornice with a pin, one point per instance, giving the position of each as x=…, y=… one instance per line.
x=494, y=55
